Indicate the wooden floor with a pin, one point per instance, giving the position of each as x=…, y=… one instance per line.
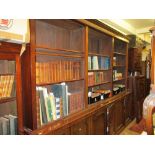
x=127, y=131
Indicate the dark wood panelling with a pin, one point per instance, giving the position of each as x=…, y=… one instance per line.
x=80, y=128
x=99, y=120
x=119, y=115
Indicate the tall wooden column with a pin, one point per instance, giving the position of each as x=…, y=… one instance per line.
x=150, y=100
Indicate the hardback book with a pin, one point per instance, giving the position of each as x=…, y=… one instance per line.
x=38, y=108
x=37, y=73
x=47, y=104
x=5, y=125
x=89, y=63
x=61, y=90
x=57, y=105
x=42, y=103
x=12, y=87
x=49, y=109
x=95, y=64
x=1, y=88
x=13, y=124
x=52, y=101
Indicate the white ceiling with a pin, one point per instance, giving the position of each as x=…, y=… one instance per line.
x=140, y=23
x=139, y=27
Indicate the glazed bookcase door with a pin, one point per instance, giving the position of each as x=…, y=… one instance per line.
x=119, y=65
x=10, y=100
x=59, y=56
x=99, y=64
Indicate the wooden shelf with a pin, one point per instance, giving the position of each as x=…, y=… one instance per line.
x=119, y=66
x=100, y=84
x=98, y=70
x=57, y=49
x=119, y=80
x=8, y=99
x=51, y=83
x=96, y=54
x=59, y=55
x=118, y=53
x=6, y=74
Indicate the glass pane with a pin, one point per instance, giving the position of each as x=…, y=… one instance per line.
x=8, y=109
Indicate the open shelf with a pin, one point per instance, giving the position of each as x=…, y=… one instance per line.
x=96, y=54
x=119, y=66
x=8, y=99
x=106, y=82
x=99, y=70
x=51, y=83
x=119, y=53
x=119, y=80
x=56, y=49
x=59, y=55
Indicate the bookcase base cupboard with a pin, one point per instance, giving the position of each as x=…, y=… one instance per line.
x=74, y=78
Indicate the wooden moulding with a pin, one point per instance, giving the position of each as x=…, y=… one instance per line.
x=118, y=53
x=106, y=82
x=88, y=23
x=9, y=36
x=50, y=83
x=72, y=118
x=6, y=100
x=57, y=49
x=10, y=47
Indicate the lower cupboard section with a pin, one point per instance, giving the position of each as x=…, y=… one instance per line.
x=108, y=120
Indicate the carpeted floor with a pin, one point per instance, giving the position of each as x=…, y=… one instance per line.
x=128, y=131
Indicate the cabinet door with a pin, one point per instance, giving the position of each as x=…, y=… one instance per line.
x=111, y=119
x=128, y=108
x=63, y=131
x=81, y=128
x=99, y=121
x=119, y=115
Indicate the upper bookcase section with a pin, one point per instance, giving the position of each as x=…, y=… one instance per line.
x=120, y=47
x=99, y=43
x=59, y=35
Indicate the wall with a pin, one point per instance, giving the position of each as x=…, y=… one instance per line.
x=18, y=32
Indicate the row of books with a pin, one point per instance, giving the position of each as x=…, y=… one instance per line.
x=8, y=125
x=57, y=71
x=117, y=88
x=97, y=95
x=98, y=62
x=117, y=75
x=6, y=86
x=114, y=61
x=96, y=78
x=118, y=62
x=56, y=102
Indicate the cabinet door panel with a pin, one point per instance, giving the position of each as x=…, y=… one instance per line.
x=81, y=128
x=119, y=115
x=99, y=120
x=128, y=108
x=111, y=119
x=63, y=131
